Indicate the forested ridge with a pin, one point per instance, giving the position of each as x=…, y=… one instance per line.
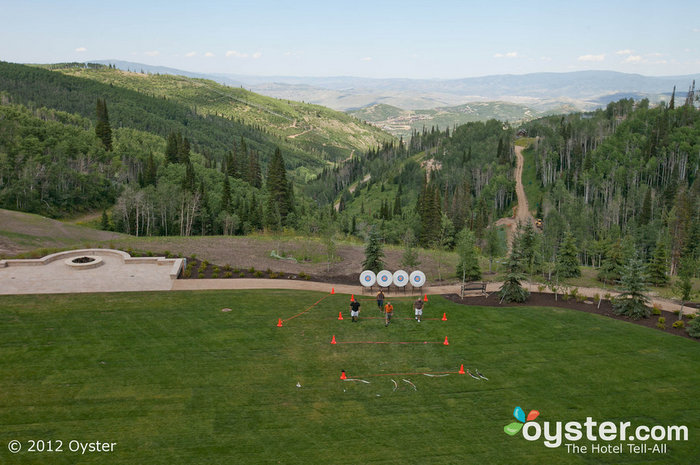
x=610, y=185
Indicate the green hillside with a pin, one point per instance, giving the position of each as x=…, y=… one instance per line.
x=327, y=133
x=402, y=122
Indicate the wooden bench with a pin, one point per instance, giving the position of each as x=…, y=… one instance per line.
x=473, y=286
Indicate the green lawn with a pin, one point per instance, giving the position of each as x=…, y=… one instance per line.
x=172, y=380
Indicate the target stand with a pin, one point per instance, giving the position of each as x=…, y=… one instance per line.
x=367, y=280
x=417, y=280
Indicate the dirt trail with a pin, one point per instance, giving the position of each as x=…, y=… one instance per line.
x=522, y=214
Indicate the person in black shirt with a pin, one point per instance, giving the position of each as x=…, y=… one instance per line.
x=355, y=310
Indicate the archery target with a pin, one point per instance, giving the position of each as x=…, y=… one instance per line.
x=367, y=278
x=384, y=278
x=417, y=278
x=400, y=278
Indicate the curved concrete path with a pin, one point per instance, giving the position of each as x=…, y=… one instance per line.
x=224, y=284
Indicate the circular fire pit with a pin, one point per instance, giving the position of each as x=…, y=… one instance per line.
x=84, y=262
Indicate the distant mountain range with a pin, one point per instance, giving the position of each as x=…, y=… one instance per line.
x=530, y=95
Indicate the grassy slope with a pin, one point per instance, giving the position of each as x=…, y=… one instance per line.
x=314, y=126
x=172, y=379
x=22, y=232
x=402, y=122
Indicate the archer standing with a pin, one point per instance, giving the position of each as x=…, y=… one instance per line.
x=418, y=308
x=388, y=313
x=380, y=300
x=355, y=310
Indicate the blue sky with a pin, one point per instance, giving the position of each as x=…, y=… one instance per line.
x=407, y=39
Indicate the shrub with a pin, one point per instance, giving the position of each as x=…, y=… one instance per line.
x=541, y=288
x=694, y=327
x=227, y=275
x=690, y=316
x=676, y=312
x=227, y=267
x=167, y=254
x=251, y=270
x=655, y=310
x=258, y=274
x=679, y=324
x=216, y=269
x=200, y=275
x=236, y=270
x=272, y=275
x=241, y=275
x=580, y=298
x=662, y=323
x=596, y=297
x=268, y=271
x=205, y=263
x=215, y=275
x=193, y=256
x=662, y=320
x=187, y=273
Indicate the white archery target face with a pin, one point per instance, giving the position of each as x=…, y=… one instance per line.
x=417, y=278
x=384, y=278
x=368, y=278
x=400, y=278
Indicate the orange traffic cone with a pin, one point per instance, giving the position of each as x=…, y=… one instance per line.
x=352, y=297
x=332, y=290
x=342, y=375
x=444, y=317
x=425, y=299
x=340, y=315
x=461, y=369
x=279, y=322
x=446, y=343
x=333, y=340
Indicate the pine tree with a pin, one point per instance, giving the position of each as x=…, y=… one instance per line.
x=102, y=127
x=151, y=174
x=567, y=265
x=633, y=302
x=374, y=253
x=494, y=245
x=226, y=195
x=645, y=215
x=254, y=173
x=512, y=290
x=171, y=148
x=658, y=267
x=611, y=269
x=183, y=154
x=277, y=186
x=468, y=265
x=104, y=223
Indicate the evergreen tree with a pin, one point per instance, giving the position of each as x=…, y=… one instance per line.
x=188, y=182
x=277, y=186
x=183, y=154
x=397, y=203
x=102, y=127
x=468, y=265
x=633, y=302
x=374, y=252
x=171, y=148
x=684, y=286
x=104, y=223
x=272, y=219
x=529, y=248
x=567, y=265
x=494, y=245
x=611, y=268
x=151, y=175
x=659, y=265
x=226, y=195
x=512, y=290
x=409, y=259
x=645, y=215
x=254, y=173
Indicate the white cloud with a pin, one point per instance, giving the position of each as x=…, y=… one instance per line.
x=81, y=49
x=624, y=52
x=208, y=54
x=234, y=53
x=256, y=55
x=696, y=29
x=506, y=55
x=591, y=57
x=633, y=59
x=152, y=53
x=366, y=59
x=546, y=58
x=190, y=54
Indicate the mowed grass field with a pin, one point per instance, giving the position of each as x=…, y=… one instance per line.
x=172, y=379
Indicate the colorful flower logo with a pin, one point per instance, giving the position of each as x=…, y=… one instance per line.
x=513, y=428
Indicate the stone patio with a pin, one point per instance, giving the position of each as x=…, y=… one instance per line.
x=104, y=270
